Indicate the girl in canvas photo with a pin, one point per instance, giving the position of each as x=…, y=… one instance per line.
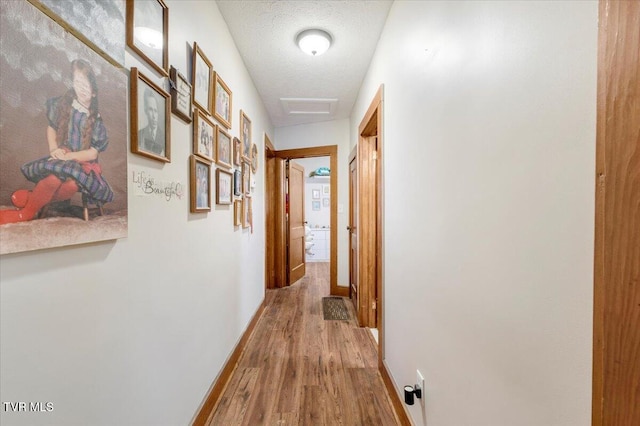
x=75, y=136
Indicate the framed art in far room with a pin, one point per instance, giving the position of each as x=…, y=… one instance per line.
x=150, y=118
x=223, y=101
x=201, y=79
x=224, y=187
x=200, y=185
x=148, y=32
x=180, y=91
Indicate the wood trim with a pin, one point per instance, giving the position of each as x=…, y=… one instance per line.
x=267, y=143
x=616, y=325
x=208, y=406
x=332, y=152
x=373, y=106
x=280, y=245
x=396, y=400
x=370, y=208
x=353, y=153
x=380, y=222
x=269, y=215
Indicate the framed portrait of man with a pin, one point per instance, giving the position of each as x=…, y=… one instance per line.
x=150, y=118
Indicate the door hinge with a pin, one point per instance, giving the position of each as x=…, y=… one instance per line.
x=375, y=155
x=374, y=305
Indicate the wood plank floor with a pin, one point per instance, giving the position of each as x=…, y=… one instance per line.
x=299, y=369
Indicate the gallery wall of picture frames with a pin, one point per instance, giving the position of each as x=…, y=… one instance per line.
x=203, y=101
x=223, y=157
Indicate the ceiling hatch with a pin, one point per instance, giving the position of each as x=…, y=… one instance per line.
x=307, y=106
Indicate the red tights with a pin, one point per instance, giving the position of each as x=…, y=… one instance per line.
x=48, y=189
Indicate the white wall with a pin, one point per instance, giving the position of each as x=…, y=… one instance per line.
x=334, y=132
x=489, y=142
x=134, y=331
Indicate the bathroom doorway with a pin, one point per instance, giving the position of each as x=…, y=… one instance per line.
x=317, y=208
x=276, y=257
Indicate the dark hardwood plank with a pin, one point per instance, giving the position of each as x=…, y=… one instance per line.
x=298, y=369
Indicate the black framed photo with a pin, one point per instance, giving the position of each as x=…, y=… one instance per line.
x=148, y=32
x=150, y=118
x=180, y=96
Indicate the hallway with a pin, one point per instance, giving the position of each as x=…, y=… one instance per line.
x=300, y=369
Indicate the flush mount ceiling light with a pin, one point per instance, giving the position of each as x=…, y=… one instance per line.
x=313, y=42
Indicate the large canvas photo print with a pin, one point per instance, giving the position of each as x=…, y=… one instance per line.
x=63, y=145
x=99, y=21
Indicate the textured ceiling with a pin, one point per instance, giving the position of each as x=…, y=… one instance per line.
x=265, y=31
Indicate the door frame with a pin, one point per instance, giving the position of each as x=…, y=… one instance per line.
x=615, y=317
x=330, y=151
x=370, y=199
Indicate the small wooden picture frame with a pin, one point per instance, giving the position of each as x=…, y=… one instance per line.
x=246, y=178
x=224, y=149
x=181, y=96
x=200, y=185
x=254, y=158
x=237, y=183
x=237, y=212
x=201, y=79
x=148, y=32
x=224, y=187
x=222, y=107
x=245, y=136
x=247, y=212
x=237, y=152
x=204, y=136
x=150, y=117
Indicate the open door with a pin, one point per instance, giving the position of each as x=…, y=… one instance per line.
x=295, y=240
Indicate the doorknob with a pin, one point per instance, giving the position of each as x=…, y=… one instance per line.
x=351, y=228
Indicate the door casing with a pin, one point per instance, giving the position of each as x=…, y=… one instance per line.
x=277, y=223
x=370, y=200
x=616, y=322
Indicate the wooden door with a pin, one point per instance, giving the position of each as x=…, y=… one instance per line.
x=353, y=234
x=296, y=221
x=616, y=343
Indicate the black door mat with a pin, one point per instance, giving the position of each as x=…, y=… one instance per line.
x=333, y=308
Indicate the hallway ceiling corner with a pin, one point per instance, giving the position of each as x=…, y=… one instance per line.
x=264, y=32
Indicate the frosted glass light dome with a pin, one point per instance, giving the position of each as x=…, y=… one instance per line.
x=314, y=42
